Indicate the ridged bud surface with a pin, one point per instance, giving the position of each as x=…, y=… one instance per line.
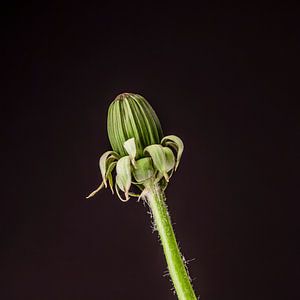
x=131, y=116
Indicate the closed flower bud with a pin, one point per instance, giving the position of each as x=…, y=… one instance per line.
x=140, y=154
x=131, y=116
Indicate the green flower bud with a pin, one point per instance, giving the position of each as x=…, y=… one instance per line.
x=140, y=154
x=131, y=116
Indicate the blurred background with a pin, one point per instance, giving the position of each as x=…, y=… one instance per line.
x=220, y=77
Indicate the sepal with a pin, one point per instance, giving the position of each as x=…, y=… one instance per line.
x=130, y=147
x=143, y=169
x=158, y=156
x=175, y=143
x=123, y=178
x=105, y=160
x=92, y=194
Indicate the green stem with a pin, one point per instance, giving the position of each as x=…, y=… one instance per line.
x=177, y=269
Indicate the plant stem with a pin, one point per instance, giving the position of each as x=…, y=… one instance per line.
x=177, y=269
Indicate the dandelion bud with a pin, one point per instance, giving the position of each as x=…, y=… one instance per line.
x=131, y=116
x=140, y=154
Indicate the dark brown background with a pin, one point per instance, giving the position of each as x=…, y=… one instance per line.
x=220, y=77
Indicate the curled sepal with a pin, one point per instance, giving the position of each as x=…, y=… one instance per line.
x=101, y=186
x=158, y=156
x=123, y=178
x=130, y=147
x=109, y=175
x=170, y=159
x=118, y=194
x=105, y=160
x=143, y=169
x=126, y=199
x=176, y=143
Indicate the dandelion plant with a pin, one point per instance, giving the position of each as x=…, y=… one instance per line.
x=144, y=158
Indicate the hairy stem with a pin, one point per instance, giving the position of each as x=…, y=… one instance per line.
x=177, y=269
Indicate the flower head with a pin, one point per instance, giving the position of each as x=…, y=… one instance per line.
x=140, y=154
x=131, y=116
